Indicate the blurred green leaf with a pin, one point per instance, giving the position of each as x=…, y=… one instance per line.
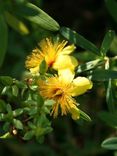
x=103, y=75
x=39, y=132
x=110, y=96
x=79, y=40
x=113, y=46
x=43, y=67
x=2, y=106
x=17, y=112
x=6, y=80
x=28, y=135
x=40, y=100
x=3, y=39
x=9, y=108
x=38, y=16
x=5, y=136
x=6, y=126
x=15, y=90
x=18, y=124
x=9, y=116
x=33, y=111
x=16, y=24
x=109, y=118
x=88, y=66
x=31, y=125
x=84, y=116
x=49, y=102
x=2, y=116
x=112, y=8
x=108, y=38
x=110, y=143
x=41, y=121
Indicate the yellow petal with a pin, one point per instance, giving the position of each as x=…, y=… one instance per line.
x=81, y=85
x=75, y=113
x=68, y=49
x=65, y=61
x=66, y=75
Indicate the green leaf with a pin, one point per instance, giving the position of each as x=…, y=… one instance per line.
x=2, y=106
x=18, y=124
x=6, y=126
x=89, y=65
x=43, y=67
x=38, y=16
x=3, y=39
x=42, y=121
x=107, y=42
x=6, y=80
x=33, y=111
x=9, y=108
x=113, y=46
x=79, y=40
x=10, y=112
x=2, y=116
x=84, y=116
x=39, y=99
x=112, y=8
x=20, y=84
x=109, y=118
x=16, y=24
x=15, y=90
x=29, y=135
x=31, y=125
x=39, y=132
x=103, y=75
x=110, y=96
x=17, y=112
x=5, y=136
x=110, y=143
x=49, y=102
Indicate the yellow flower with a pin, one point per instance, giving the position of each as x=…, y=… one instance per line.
x=62, y=89
x=56, y=55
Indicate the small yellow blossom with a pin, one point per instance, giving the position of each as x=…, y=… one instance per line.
x=56, y=55
x=62, y=89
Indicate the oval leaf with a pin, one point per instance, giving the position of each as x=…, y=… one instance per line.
x=17, y=112
x=17, y=124
x=79, y=40
x=29, y=135
x=38, y=16
x=103, y=75
x=15, y=90
x=110, y=143
x=110, y=96
x=43, y=67
x=84, y=116
x=6, y=80
x=107, y=42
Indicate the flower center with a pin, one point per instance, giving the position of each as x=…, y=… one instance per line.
x=50, y=64
x=57, y=93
